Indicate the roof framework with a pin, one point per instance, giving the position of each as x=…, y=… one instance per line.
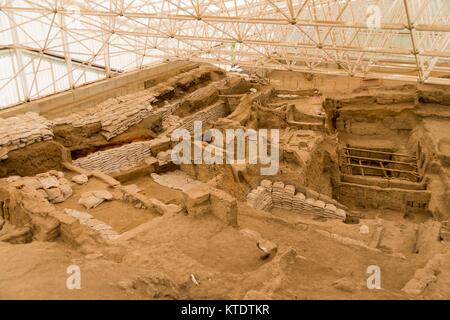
x=66, y=40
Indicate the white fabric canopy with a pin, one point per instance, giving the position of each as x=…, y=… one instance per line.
x=49, y=46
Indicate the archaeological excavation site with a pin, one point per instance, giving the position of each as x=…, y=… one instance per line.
x=317, y=173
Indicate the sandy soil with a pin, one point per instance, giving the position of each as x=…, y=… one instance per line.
x=158, y=262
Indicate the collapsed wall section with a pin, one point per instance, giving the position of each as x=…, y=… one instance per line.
x=27, y=146
x=27, y=213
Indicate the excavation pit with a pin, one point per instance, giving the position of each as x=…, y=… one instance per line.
x=362, y=178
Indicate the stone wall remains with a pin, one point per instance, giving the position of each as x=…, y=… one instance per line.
x=201, y=198
x=383, y=198
x=211, y=113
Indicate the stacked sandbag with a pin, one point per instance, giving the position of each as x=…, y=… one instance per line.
x=267, y=184
x=318, y=207
x=330, y=210
x=51, y=185
x=265, y=200
x=309, y=204
x=298, y=202
x=277, y=194
x=288, y=196
x=116, y=159
x=21, y=131
x=260, y=198
x=92, y=199
x=115, y=115
x=341, y=214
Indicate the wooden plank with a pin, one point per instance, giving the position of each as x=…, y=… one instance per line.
x=381, y=152
x=414, y=174
x=384, y=171
x=361, y=166
x=348, y=161
x=391, y=161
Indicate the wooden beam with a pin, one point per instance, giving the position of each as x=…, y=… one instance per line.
x=414, y=174
x=414, y=165
x=381, y=152
x=384, y=171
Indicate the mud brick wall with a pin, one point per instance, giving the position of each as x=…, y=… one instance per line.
x=201, y=98
x=27, y=146
x=21, y=131
x=33, y=159
x=223, y=206
x=28, y=208
x=201, y=199
x=383, y=198
x=242, y=112
x=434, y=96
x=184, y=81
x=169, y=109
x=211, y=113
x=373, y=112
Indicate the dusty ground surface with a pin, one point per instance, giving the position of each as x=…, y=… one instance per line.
x=160, y=256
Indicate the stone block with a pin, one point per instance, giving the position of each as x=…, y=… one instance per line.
x=49, y=182
x=103, y=194
x=80, y=179
x=53, y=193
x=90, y=201
x=267, y=247
x=197, y=195
x=224, y=206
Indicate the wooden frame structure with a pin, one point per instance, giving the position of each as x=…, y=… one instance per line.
x=370, y=162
